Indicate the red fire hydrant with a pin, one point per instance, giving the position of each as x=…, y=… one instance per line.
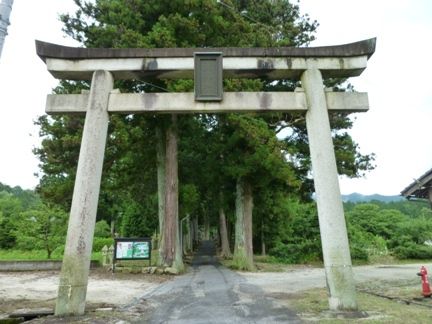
x=425, y=283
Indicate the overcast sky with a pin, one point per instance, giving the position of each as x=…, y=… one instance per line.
x=396, y=128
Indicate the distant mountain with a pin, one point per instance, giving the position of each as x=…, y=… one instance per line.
x=356, y=197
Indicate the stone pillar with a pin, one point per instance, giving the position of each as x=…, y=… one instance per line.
x=105, y=256
x=334, y=238
x=76, y=260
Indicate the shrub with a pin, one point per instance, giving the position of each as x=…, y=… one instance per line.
x=58, y=251
x=413, y=251
x=301, y=252
x=102, y=229
x=359, y=253
x=100, y=242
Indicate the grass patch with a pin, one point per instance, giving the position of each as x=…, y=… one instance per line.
x=272, y=264
x=268, y=263
x=36, y=255
x=18, y=255
x=312, y=306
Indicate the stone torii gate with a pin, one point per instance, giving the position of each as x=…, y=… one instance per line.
x=103, y=66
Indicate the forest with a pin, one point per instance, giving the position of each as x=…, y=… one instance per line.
x=378, y=231
x=244, y=178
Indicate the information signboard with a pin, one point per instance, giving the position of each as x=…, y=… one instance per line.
x=132, y=248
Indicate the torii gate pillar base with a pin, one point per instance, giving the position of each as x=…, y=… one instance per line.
x=334, y=238
x=76, y=260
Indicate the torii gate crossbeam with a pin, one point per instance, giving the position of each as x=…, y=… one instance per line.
x=310, y=65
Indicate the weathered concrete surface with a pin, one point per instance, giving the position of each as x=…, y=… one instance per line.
x=185, y=103
x=35, y=265
x=76, y=260
x=30, y=265
x=210, y=294
x=273, y=63
x=334, y=238
x=183, y=68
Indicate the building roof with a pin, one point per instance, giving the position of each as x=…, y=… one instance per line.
x=420, y=187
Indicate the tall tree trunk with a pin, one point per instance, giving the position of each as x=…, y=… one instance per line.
x=243, y=250
x=263, y=245
x=160, y=158
x=225, y=249
x=206, y=225
x=112, y=228
x=172, y=254
x=187, y=237
x=195, y=232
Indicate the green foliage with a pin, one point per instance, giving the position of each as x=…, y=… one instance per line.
x=363, y=244
x=13, y=201
x=100, y=242
x=139, y=220
x=102, y=229
x=40, y=228
x=57, y=254
x=27, y=198
x=378, y=229
x=375, y=221
x=61, y=138
x=28, y=224
x=297, y=239
x=15, y=254
x=190, y=199
x=214, y=150
x=240, y=261
x=413, y=251
x=178, y=23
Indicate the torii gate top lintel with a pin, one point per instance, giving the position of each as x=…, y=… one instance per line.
x=76, y=63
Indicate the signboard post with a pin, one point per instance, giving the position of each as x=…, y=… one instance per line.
x=132, y=249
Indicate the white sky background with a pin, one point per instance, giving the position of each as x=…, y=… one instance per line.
x=398, y=79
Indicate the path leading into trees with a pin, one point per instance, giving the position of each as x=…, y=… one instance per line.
x=211, y=293
x=208, y=293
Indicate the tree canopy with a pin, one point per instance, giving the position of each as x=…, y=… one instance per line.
x=268, y=150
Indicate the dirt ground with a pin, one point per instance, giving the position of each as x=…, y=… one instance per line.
x=106, y=290
x=39, y=288
x=297, y=279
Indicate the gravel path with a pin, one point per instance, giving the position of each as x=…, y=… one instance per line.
x=211, y=293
